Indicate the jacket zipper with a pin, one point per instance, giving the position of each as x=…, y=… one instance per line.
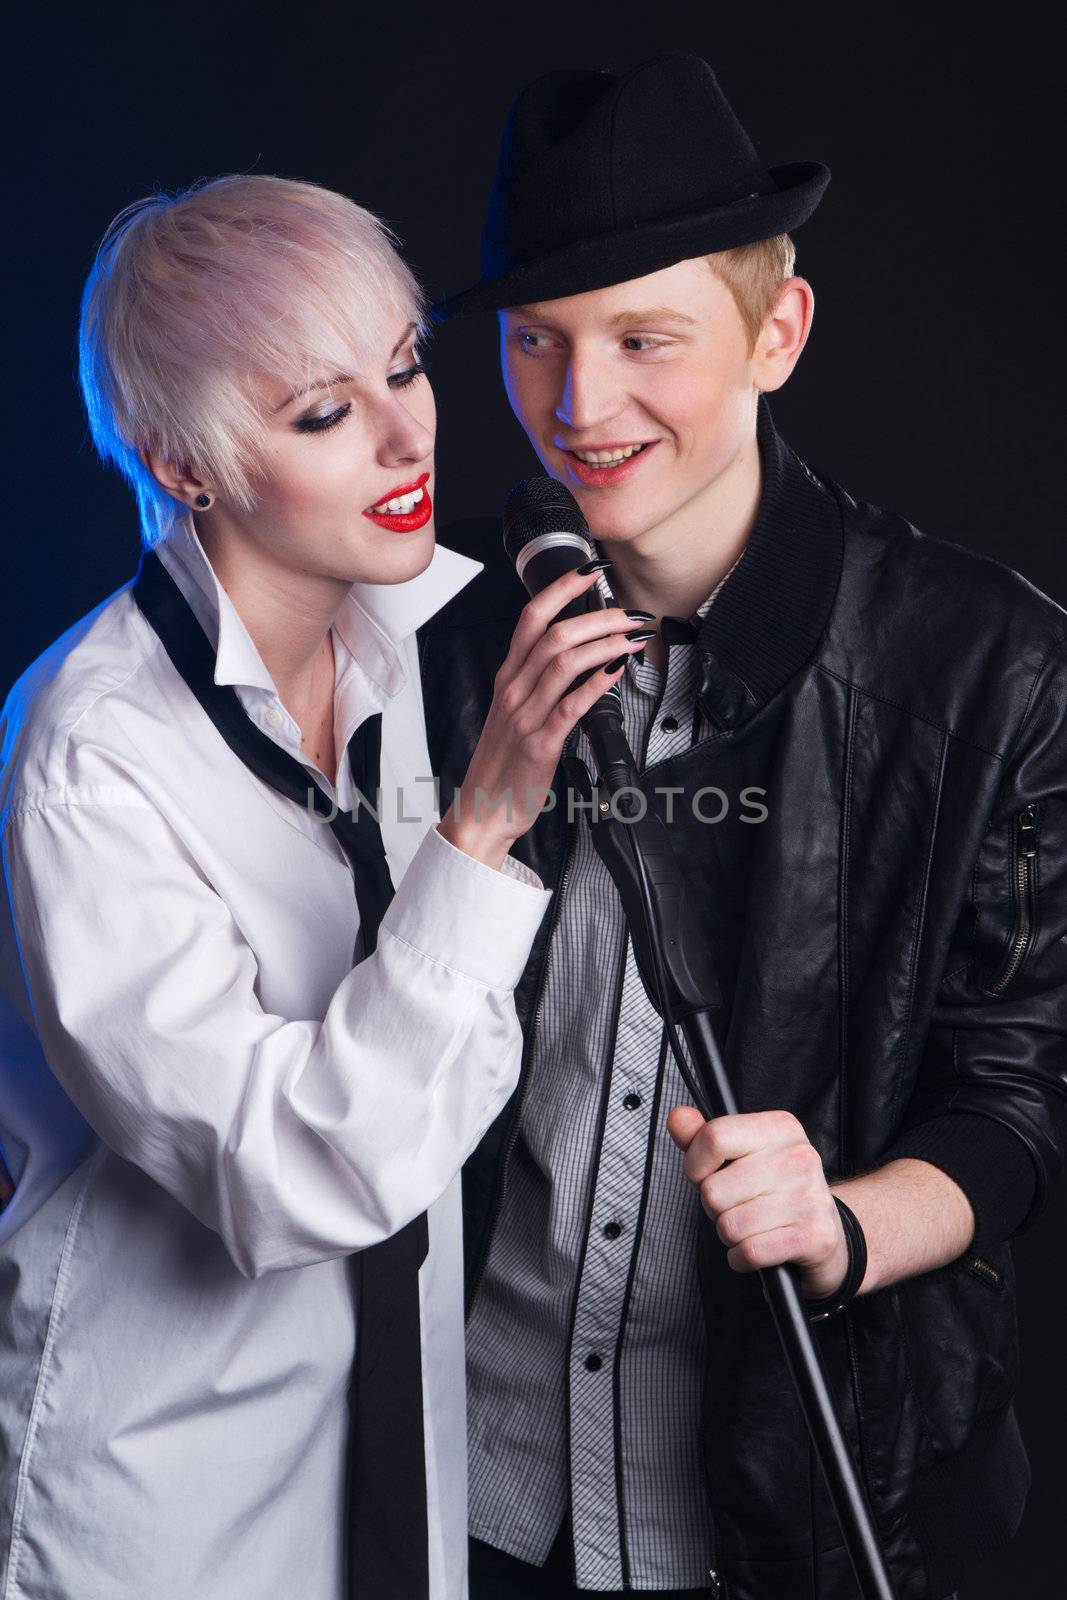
x=857, y=1396
x=986, y=1271
x=1025, y=884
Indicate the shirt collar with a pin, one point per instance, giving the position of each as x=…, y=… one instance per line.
x=705, y=605
x=684, y=630
x=373, y=622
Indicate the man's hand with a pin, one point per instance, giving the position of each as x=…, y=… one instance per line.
x=772, y=1202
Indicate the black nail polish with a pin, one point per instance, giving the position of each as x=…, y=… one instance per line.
x=643, y=633
x=640, y=616
x=594, y=566
x=613, y=666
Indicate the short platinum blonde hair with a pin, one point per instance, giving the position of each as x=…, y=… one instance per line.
x=191, y=295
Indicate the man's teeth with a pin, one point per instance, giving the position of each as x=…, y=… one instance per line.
x=607, y=458
x=399, y=507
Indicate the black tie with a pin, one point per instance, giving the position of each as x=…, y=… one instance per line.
x=388, y=1548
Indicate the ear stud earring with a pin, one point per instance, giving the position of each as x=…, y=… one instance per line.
x=203, y=501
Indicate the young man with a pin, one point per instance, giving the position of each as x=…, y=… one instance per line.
x=857, y=733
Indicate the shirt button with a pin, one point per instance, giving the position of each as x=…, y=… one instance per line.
x=631, y=1101
x=669, y=724
x=274, y=717
x=612, y=1230
x=593, y=1363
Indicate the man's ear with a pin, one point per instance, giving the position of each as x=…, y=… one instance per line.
x=178, y=481
x=783, y=335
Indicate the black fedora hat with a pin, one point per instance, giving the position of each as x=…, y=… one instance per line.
x=604, y=178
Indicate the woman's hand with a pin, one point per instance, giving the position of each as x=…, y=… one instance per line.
x=534, y=709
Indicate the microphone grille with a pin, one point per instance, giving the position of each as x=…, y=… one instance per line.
x=536, y=506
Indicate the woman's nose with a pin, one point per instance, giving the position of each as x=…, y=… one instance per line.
x=405, y=437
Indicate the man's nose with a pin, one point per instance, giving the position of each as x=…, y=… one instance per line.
x=588, y=397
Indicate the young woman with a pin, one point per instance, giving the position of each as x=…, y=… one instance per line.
x=208, y=1114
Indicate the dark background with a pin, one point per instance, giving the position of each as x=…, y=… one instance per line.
x=927, y=385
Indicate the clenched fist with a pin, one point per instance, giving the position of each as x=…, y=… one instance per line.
x=771, y=1203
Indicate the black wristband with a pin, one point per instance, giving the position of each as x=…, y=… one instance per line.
x=829, y=1305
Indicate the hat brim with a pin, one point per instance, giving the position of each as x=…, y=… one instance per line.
x=634, y=252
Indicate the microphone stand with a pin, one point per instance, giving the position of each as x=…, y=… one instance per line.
x=674, y=962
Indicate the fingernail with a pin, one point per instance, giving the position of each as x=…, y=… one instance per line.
x=643, y=633
x=594, y=566
x=640, y=616
x=613, y=666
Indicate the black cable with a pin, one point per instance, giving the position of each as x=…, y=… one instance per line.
x=655, y=938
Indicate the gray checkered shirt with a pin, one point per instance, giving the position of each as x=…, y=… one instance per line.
x=586, y=1339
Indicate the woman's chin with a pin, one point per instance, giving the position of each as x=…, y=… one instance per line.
x=403, y=555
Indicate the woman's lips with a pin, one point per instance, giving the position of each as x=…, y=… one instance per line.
x=604, y=477
x=406, y=521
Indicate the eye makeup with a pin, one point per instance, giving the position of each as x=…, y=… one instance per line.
x=404, y=380
x=323, y=422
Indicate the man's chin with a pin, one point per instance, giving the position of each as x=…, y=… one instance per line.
x=615, y=523
x=616, y=515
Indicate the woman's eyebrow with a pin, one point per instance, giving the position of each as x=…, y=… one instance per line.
x=322, y=383
x=343, y=377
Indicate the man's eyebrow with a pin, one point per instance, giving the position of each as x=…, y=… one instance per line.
x=535, y=313
x=343, y=377
x=652, y=314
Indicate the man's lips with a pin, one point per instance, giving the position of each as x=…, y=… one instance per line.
x=605, y=477
x=405, y=521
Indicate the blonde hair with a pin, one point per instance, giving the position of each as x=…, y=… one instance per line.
x=191, y=295
x=754, y=273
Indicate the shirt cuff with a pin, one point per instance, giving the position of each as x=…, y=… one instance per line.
x=519, y=871
x=989, y=1162
x=466, y=915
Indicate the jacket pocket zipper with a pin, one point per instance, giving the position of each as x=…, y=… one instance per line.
x=1025, y=890
x=985, y=1271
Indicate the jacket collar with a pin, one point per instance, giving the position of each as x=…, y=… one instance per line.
x=373, y=622
x=773, y=609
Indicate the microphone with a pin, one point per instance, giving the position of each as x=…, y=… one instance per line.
x=545, y=535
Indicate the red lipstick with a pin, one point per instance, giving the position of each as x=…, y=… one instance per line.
x=405, y=521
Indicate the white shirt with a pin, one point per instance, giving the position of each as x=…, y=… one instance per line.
x=205, y=1107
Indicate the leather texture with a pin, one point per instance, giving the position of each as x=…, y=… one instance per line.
x=901, y=700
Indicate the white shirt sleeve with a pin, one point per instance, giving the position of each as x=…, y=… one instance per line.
x=295, y=1140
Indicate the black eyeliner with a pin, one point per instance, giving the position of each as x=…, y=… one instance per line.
x=322, y=424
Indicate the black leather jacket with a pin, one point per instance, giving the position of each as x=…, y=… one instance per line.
x=893, y=966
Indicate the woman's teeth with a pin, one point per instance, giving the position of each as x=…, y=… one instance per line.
x=399, y=507
x=608, y=458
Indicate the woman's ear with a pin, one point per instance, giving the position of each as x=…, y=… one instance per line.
x=784, y=334
x=178, y=481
